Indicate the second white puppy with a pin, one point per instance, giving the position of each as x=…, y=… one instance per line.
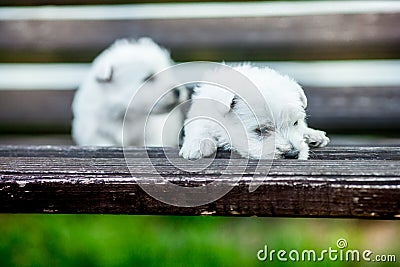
x=102, y=99
x=272, y=127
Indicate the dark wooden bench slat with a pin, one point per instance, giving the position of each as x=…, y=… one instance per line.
x=287, y=197
x=327, y=153
x=70, y=180
x=303, y=37
x=81, y=166
x=362, y=109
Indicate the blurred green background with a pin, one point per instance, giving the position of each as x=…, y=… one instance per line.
x=109, y=240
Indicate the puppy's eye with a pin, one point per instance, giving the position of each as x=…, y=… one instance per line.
x=263, y=130
x=149, y=78
x=296, y=123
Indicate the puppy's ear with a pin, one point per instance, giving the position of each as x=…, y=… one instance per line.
x=303, y=99
x=104, y=74
x=227, y=102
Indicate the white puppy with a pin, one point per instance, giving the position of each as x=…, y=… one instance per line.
x=270, y=125
x=102, y=99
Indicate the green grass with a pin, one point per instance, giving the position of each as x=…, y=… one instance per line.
x=99, y=240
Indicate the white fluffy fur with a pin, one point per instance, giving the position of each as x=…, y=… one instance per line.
x=103, y=98
x=283, y=127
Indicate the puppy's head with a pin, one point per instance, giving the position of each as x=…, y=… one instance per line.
x=119, y=71
x=273, y=124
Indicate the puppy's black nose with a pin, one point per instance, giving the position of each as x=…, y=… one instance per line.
x=292, y=154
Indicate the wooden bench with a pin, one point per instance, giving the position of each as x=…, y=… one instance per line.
x=360, y=93
x=349, y=182
x=47, y=51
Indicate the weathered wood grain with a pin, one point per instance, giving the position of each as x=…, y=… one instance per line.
x=326, y=153
x=339, y=182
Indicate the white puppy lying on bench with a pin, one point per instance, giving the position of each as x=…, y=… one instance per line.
x=270, y=125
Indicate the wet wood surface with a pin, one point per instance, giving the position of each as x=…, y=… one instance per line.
x=348, y=182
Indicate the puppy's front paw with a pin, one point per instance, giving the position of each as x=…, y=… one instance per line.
x=197, y=148
x=316, y=138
